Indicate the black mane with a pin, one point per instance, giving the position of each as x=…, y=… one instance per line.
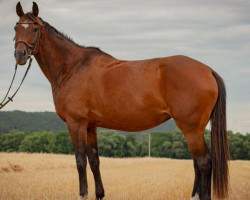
x=51, y=30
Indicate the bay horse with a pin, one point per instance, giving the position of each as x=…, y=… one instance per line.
x=93, y=89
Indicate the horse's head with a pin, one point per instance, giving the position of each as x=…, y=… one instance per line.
x=28, y=34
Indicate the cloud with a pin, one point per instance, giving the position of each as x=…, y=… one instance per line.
x=216, y=33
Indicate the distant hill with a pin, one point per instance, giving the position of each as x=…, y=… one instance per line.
x=30, y=121
x=49, y=121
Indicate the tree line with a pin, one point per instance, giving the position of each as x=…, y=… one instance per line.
x=113, y=144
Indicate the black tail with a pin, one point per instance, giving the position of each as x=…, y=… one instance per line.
x=219, y=142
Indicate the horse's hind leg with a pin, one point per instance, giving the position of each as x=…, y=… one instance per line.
x=202, y=182
x=202, y=165
x=193, y=128
x=93, y=156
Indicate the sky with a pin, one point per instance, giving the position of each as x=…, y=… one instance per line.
x=216, y=33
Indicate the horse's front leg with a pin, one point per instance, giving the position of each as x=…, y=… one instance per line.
x=78, y=134
x=93, y=156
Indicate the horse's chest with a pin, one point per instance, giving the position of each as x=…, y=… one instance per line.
x=70, y=104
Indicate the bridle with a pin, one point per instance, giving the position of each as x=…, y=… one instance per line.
x=38, y=39
x=33, y=50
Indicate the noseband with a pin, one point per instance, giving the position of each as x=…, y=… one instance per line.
x=29, y=46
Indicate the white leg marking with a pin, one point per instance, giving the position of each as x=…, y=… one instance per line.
x=195, y=197
x=85, y=197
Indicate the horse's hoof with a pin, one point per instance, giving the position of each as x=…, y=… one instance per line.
x=100, y=195
x=85, y=197
x=195, y=197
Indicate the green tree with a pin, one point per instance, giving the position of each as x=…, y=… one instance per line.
x=170, y=145
x=63, y=143
x=236, y=148
x=130, y=146
x=30, y=143
x=246, y=147
x=166, y=147
x=143, y=145
x=158, y=148
x=10, y=142
x=180, y=148
x=38, y=142
x=110, y=143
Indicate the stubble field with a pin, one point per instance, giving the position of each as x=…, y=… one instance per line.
x=49, y=176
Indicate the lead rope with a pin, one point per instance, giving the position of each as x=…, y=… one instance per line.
x=2, y=104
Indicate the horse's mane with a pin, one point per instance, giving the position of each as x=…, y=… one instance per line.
x=51, y=30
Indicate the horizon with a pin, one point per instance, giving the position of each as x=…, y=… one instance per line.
x=216, y=33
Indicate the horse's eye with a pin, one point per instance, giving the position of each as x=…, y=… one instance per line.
x=15, y=28
x=36, y=29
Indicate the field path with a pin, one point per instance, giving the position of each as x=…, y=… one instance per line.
x=52, y=177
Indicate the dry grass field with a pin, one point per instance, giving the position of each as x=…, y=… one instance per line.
x=49, y=176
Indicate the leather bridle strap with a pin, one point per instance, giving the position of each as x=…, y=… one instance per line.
x=22, y=41
x=38, y=39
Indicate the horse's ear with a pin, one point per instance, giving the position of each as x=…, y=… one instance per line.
x=19, y=9
x=35, y=9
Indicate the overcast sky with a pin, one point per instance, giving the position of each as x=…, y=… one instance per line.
x=216, y=33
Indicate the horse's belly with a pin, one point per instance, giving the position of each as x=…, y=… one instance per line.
x=136, y=121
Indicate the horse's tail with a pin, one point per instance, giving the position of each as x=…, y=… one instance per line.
x=219, y=143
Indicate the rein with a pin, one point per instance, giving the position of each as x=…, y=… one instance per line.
x=3, y=103
x=33, y=49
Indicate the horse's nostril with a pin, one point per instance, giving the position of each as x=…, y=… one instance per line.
x=24, y=52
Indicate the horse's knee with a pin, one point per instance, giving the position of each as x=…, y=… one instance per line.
x=81, y=163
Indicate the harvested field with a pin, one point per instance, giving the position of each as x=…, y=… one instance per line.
x=49, y=176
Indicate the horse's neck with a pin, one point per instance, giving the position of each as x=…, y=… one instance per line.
x=56, y=57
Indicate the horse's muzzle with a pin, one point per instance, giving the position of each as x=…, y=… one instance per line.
x=21, y=56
